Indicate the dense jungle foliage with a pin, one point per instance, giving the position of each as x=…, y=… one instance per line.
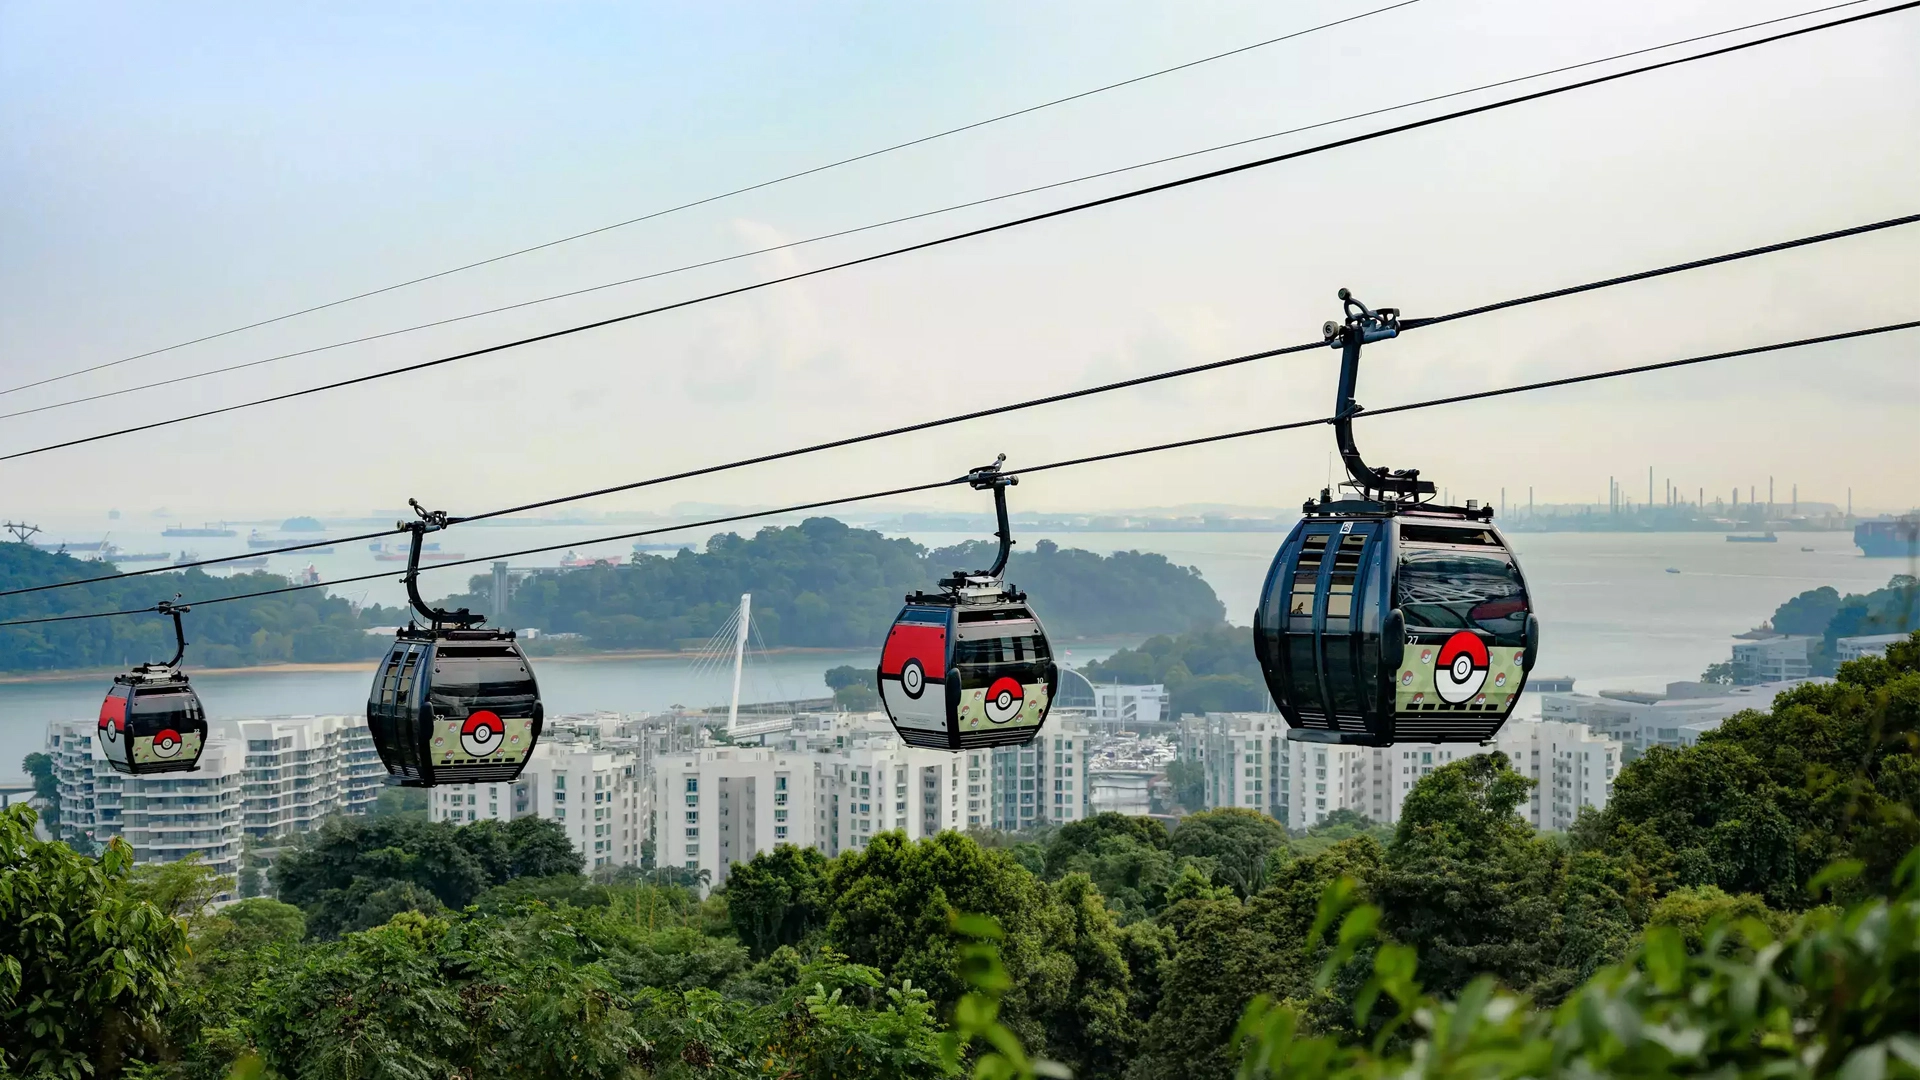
x=1748, y=906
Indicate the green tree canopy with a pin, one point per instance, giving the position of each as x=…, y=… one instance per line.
x=1209, y=669
x=87, y=968
x=1236, y=839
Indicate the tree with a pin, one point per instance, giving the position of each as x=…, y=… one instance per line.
x=1467, y=883
x=46, y=787
x=777, y=898
x=1228, y=952
x=1189, y=780
x=356, y=873
x=888, y=906
x=1210, y=669
x=1238, y=840
x=184, y=891
x=87, y=969
x=1831, y=772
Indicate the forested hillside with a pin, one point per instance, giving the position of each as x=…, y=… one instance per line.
x=1211, y=670
x=1749, y=906
x=821, y=583
x=1825, y=614
x=308, y=626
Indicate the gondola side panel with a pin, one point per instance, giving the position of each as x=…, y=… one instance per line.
x=1004, y=693
x=913, y=672
x=112, y=731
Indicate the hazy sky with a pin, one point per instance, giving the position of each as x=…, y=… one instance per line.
x=171, y=170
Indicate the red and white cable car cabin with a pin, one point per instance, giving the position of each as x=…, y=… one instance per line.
x=964, y=672
x=968, y=667
x=151, y=721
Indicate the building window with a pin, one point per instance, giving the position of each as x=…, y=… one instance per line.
x=693, y=783
x=779, y=832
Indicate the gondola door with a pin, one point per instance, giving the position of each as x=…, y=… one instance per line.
x=1322, y=643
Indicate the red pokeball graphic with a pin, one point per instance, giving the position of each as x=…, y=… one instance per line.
x=1462, y=669
x=167, y=743
x=483, y=733
x=113, y=718
x=1004, y=699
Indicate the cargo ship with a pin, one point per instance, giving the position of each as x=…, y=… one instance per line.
x=204, y=530
x=1749, y=538
x=1889, y=537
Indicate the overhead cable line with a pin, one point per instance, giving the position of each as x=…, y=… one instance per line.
x=1048, y=399
x=1455, y=399
x=705, y=200
x=1135, y=193
x=789, y=245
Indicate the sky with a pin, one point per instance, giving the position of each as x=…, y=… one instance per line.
x=172, y=171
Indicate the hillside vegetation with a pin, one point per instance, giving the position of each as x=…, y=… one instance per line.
x=822, y=583
x=308, y=626
x=1745, y=907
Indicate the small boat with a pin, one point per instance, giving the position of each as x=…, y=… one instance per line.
x=1673, y=569
x=1806, y=549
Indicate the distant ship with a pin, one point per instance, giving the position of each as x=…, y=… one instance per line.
x=254, y=563
x=204, y=530
x=256, y=541
x=1748, y=538
x=1889, y=537
x=309, y=576
x=109, y=553
x=575, y=562
x=67, y=545
x=398, y=553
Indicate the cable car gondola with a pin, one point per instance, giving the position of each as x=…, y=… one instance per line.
x=1387, y=617
x=151, y=721
x=968, y=667
x=452, y=703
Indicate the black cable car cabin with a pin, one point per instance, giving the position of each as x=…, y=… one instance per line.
x=1386, y=618
x=151, y=721
x=969, y=667
x=452, y=704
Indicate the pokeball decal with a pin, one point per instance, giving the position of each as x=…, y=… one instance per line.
x=113, y=718
x=167, y=743
x=1500, y=679
x=483, y=733
x=913, y=678
x=1462, y=669
x=1004, y=699
x=1406, y=678
x=1426, y=656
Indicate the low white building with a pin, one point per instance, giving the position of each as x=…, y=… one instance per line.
x=1853, y=648
x=1121, y=707
x=259, y=778
x=1773, y=659
x=1678, y=717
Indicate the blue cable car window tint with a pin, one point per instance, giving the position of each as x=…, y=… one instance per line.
x=924, y=615
x=1449, y=589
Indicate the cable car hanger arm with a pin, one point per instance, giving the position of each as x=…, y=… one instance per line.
x=1359, y=326
x=168, y=607
x=429, y=521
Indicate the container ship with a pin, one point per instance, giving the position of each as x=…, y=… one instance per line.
x=1889, y=537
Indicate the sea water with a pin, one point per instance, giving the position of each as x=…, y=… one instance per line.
x=1612, y=618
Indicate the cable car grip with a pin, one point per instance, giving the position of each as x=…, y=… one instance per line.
x=429, y=521
x=989, y=477
x=1360, y=325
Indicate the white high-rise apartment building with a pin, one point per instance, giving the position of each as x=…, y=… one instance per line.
x=592, y=792
x=256, y=778
x=1250, y=763
x=1046, y=782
